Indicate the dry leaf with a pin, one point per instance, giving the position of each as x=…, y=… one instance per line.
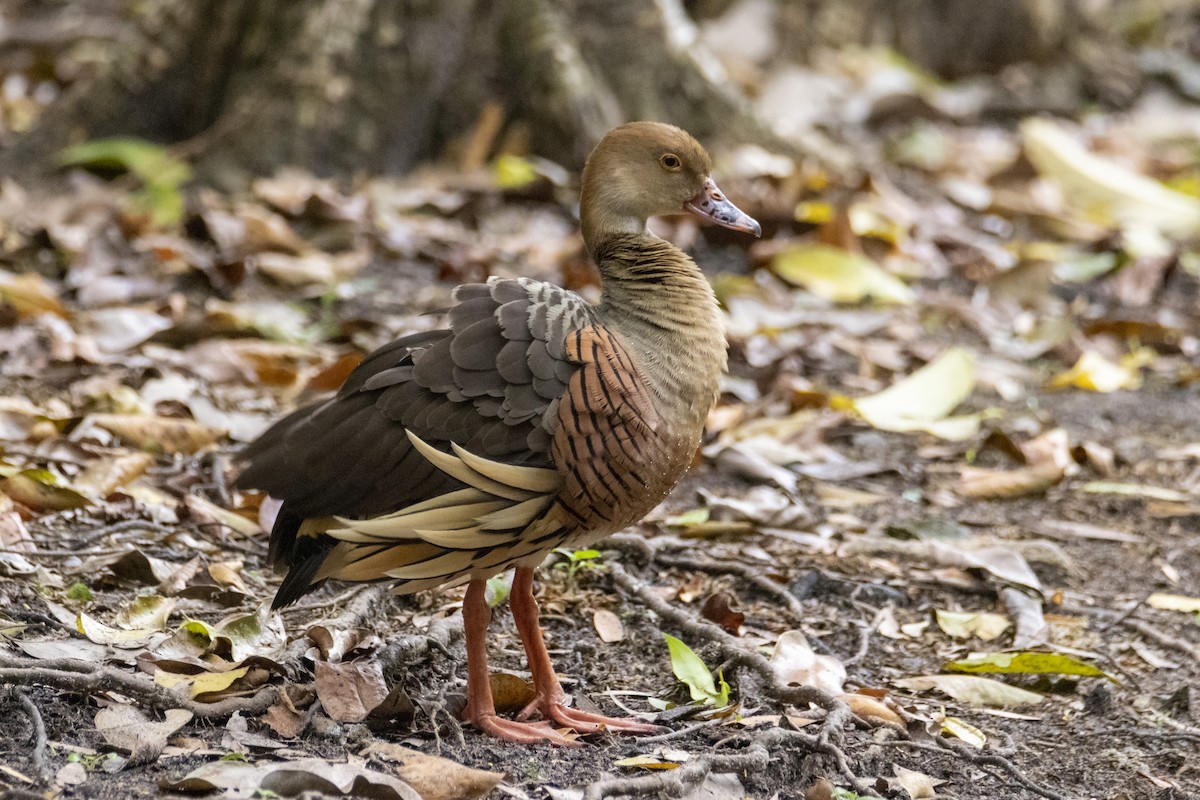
x=156, y=434
x=511, y=692
x=795, y=663
x=435, y=778
x=608, y=625
x=127, y=728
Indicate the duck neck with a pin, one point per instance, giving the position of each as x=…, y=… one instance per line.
x=656, y=297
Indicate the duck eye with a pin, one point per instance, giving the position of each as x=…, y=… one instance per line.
x=670, y=162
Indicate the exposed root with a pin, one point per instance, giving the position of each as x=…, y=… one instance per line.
x=837, y=714
x=674, y=783
x=84, y=677
x=749, y=574
x=964, y=752
x=38, y=754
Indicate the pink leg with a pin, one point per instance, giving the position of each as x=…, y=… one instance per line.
x=481, y=709
x=551, y=700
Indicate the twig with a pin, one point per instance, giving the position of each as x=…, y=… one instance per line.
x=747, y=573
x=682, y=732
x=979, y=759
x=124, y=526
x=1165, y=639
x=39, y=736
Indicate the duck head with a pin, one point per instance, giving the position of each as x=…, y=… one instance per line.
x=645, y=169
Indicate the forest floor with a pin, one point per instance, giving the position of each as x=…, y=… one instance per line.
x=994, y=565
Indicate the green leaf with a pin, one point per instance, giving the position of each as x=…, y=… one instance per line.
x=79, y=592
x=839, y=275
x=688, y=667
x=162, y=175
x=498, y=588
x=1028, y=663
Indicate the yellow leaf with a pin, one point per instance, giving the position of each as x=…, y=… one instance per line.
x=201, y=683
x=1104, y=191
x=921, y=401
x=965, y=731
x=840, y=276
x=513, y=172
x=965, y=624
x=1096, y=373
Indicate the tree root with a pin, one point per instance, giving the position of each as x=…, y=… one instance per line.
x=84, y=677
x=837, y=714
x=964, y=752
x=38, y=754
x=674, y=783
x=830, y=738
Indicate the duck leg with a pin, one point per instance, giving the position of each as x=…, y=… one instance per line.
x=481, y=709
x=551, y=700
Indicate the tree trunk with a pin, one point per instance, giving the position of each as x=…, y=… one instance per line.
x=245, y=86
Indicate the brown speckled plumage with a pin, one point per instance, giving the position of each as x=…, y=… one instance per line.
x=532, y=421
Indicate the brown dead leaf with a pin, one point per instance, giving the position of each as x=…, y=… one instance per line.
x=300, y=777
x=332, y=377
x=228, y=573
x=42, y=490
x=980, y=482
x=433, y=777
x=871, y=709
x=349, y=691
x=721, y=608
x=285, y=721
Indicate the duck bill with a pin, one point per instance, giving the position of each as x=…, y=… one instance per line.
x=712, y=204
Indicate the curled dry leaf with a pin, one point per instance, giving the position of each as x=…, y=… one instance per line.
x=510, y=692
x=965, y=624
x=922, y=401
x=104, y=476
x=29, y=295
x=169, y=435
x=1105, y=191
x=795, y=662
x=871, y=709
x=721, y=608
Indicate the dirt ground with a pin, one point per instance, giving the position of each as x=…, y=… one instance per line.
x=1092, y=738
